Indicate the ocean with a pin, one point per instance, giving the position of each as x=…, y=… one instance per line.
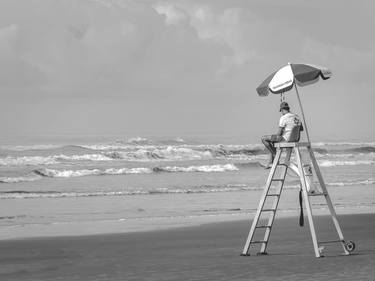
x=76, y=183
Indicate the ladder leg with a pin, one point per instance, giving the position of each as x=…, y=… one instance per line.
x=272, y=215
x=287, y=156
x=246, y=248
x=307, y=202
x=328, y=199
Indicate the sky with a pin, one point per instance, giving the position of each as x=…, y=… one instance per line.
x=182, y=68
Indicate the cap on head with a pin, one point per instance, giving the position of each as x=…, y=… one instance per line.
x=284, y=105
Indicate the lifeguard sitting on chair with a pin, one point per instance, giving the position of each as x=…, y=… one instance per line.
x=289, y=131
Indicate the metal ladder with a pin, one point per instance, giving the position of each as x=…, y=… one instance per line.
x=348, y=246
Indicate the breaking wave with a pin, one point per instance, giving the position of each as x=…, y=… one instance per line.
x=123, y=171
x=53, y=173
x=138, y=140
x=204, y=168
x=141, y=154
x=29, y=147
x=27, y=160
x=168, y=153
x=141, y=150
x=344, y=143
x=27, y=178
x=350, y=183
x=363, y=149
x=90, y=172
x=333, y=163
x=20, y=194
x=49, y=160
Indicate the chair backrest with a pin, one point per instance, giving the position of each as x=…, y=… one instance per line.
x=295, y=134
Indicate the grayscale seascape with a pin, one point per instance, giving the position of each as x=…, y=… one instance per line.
x=150, y=140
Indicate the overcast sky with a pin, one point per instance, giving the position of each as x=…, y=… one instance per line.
x=182, y=68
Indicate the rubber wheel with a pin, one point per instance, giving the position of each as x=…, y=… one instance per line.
x=350, y=246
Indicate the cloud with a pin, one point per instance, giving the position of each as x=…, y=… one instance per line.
x=171, y=65
x=93, y=46
x=173, y=15
x=228, y=27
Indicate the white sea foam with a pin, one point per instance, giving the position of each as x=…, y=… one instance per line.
x=204, y=168
x=114, y=146
x=123, y=171
x=49, y=160
x=68, y=173
x=193, y=190
x=138, y=140
x=165, y=153
x=344, y=143
x=90, y=172
x=84, y=157
x=27, y=178
x=350, y=183
x=29, y=147
x=53, y=194
x=333, y=163
x=27, y=160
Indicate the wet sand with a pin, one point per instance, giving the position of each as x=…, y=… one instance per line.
x=206, y=252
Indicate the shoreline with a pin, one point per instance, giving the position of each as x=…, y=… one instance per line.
x=140, y=225
x=206, y=252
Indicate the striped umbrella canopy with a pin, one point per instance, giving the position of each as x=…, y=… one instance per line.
x=293, y=74
x=286, y=77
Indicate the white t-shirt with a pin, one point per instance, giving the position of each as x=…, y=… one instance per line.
x=288, y=121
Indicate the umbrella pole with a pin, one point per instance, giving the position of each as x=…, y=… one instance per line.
x=303, y=115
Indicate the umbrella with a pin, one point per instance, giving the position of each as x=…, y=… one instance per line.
x=291, y=75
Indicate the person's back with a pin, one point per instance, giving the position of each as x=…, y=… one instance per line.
x=289, y=127
x=288, y=122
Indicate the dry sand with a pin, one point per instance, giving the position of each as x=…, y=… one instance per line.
x=207, y=252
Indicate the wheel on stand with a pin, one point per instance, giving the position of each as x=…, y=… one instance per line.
x=349, y=246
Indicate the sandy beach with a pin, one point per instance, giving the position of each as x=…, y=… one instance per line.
x=206, y=252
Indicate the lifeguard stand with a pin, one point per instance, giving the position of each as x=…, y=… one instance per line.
x=279, y=82
x=272, y=192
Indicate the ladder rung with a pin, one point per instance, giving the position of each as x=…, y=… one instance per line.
x=277, y=180
x=317, y=194
x=332, y=241
x=259, y=242
x=263, y=226
x=273, y=194
x=268, y=210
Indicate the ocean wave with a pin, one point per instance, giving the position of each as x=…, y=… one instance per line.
x=344, y=143
x=27, y=160
x=138, y=140
x=204, y=168
x=186, y=152
x=29, y=147
x=84, y=157
x=38, y=174
x=19, y=194
x=170, y=153
x=49, y=160
x=52, y=173
x=27, y=178
x=363, y=149
x=333, y=163
x=124, y=171
x=178, y=152
x=350, y=183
